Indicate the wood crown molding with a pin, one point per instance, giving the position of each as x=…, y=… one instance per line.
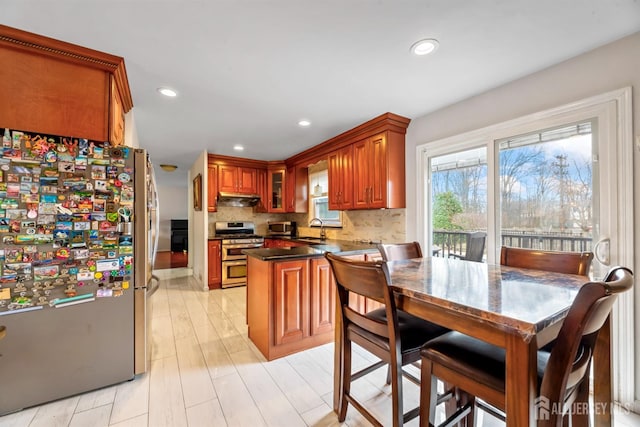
x=382, y=123
x=236, y=161
x=36, y=44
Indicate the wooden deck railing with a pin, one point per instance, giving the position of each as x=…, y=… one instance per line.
x=454, y=242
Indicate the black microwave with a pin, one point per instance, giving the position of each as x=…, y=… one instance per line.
x=282, y=228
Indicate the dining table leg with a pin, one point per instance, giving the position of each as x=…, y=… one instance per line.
x=520, y=381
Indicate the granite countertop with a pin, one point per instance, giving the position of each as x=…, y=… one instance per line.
x=524, y=300
x=343, y=247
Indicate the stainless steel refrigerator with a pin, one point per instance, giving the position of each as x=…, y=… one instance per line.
x=78, y=230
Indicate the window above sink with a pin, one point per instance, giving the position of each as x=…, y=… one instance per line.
x=319, y=196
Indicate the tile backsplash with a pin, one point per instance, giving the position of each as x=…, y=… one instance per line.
x=386, y=225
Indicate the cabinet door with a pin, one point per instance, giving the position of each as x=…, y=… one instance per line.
x=291, y=283
x=276, y=190
x=323, y=297
x=335, y=180
x=227, y=178
x=361, y=166
x=290, y=189
x=268, y=243
x=215, y=264
x=340, y=172
x=116, y=116
x=247, y=180
x=346, y=188
x=212, y=188
x=370, y=173
x=261, y=190
x=377, y=152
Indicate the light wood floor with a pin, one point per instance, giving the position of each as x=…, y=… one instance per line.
x=205, y=372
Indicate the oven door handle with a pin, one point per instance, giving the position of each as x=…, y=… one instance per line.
x=242, y=246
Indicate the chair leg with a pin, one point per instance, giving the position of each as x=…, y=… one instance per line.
x=428, y=395
x=345, y=388
x=396, y=390
x=464, y=398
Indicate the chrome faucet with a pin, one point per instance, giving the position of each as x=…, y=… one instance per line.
x=323, y=235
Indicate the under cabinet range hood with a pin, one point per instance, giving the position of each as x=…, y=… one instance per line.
x=237, y=199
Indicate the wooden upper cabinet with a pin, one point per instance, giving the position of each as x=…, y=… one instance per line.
x=340, y=165
x=290, y=189
x=237, y=179
x=116, y=116
x=296, y=183
x=261, y=187
x=276, y=189
x=369, y=179
x=59, y=88
x=212, y=187
x=379, y=172
x=247, y=183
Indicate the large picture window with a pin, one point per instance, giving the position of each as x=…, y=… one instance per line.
x=554, y=180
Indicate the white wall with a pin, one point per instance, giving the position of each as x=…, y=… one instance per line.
x=198, y=223
x=607, y=68
x=173, y=202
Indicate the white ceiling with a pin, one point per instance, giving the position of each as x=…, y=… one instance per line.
x=247, y=71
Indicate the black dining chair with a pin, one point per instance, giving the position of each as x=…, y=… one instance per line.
x=479, y=368
x=395, y=339
x=475, y=247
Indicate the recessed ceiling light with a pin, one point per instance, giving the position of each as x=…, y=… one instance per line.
x=238, y=147
x=304, y=123
x=168, y=92
x=424, y=47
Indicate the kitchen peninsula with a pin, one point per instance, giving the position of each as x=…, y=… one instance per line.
x=291, y=294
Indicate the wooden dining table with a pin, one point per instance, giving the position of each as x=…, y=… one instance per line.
x=517, y=309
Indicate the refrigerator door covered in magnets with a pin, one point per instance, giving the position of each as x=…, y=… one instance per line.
x=66, y=266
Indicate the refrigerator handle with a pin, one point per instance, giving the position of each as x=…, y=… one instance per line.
x=155, y=212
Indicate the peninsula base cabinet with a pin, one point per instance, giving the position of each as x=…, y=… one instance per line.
x=290, y=305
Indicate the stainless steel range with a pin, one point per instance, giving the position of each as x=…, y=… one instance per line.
x=236, y=236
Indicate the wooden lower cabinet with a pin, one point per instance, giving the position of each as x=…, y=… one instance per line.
x=290, y=305
x=323, y=297
x=291, y=289
x=282, y=243
x=214, y=275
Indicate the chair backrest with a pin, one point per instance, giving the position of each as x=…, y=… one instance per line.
x=398, y=251
x=560, y=262
x=570, y=358
x=475, y=246
x=371, y=280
